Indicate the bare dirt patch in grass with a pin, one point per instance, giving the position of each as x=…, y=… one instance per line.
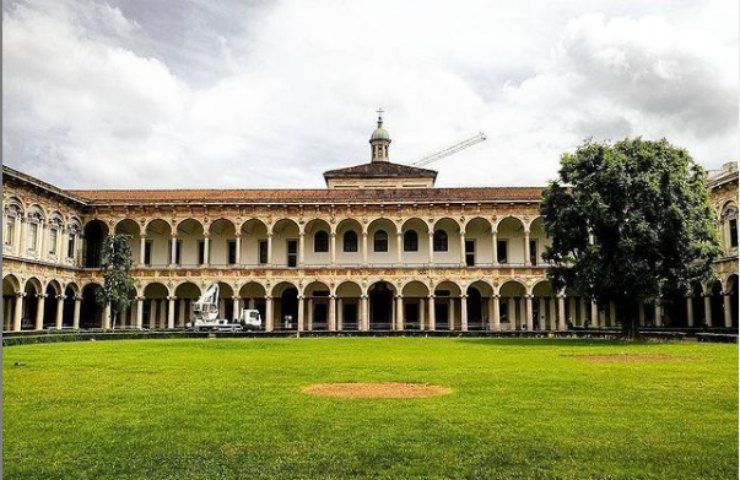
x=635, y=358
x=376, y=390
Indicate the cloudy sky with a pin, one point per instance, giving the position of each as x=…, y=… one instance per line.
x=202, y=93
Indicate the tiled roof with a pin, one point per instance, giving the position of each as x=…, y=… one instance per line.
x=381, y=170
x=407, y=195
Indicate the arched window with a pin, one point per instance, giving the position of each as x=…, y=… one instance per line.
x=321, y=242
x=350, y=241
x=729, y=225
x=440, y=241
x=380, y=241
x=410, y=241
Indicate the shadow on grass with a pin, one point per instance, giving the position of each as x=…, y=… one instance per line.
x=563, y=342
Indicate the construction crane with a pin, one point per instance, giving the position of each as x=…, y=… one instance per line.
x=451, y=150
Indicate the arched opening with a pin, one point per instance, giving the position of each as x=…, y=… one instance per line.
x=252, y=296
x=544, y=307
x=479, y=305
x=285, y=298
x=697, y=305
x=157, y=247
x=674, y=313
x=186, y=294
x=380, y=297
x=349, y=296
x=420, y=229
x=91, y=312
x=131, y=230
x=317, y=249
x=732, y=289
x=446, y=242
x=384, y=249
x=717, y=304
x=510, y=241
x=222, y=242
x=11, y=290
x=512, y=306
x=317, y=307
x=447, y=305
x=538, y=241
x=53, y=291
x=343, y=255
x=155, y=306
x=415, y=298
x=226, y=302
x=32, y=292
x=191, y=242
x=478, y=245
x=285, y=243
x=95, y=233
x=70, y=295
x=254, y=243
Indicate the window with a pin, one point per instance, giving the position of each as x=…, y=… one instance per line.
x=533, y=252
x=33, y=236
x=148, y=252
x=380, y=241
x=440, y=241
x=502, y=251
x=9, y=230
x=201, y=252
x=292, y=253
x=263, y=252
x=733, y=233
x=350, y=241
x=410, y=241
x=470, y=253
x=321, y=242
x=231, y=246
x=71, y=245
x=53, y=238
x=178, y=252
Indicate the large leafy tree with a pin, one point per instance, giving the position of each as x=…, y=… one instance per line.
x=630, y=222
x=115, y=264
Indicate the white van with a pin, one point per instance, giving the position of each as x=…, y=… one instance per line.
x=251, y=319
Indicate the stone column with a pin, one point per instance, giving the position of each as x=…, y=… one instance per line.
x=173, y=250
x=40, y=311
x=553, y=314
x=301, y=248
x=269, y=248
x=235, y=307
x=19, y=239
x=431, y=247
x=310, y=314
x=399, y=248
x=511, y=312
x=689, y=312
x=528, y=312
x=181, y=314
x=142, y=250
x=594, y=314
x=641, y=314
x=76, y=313
x=340, y=313
x=432, y=319
x=60, y=312
x=462, y=248
x=542, y=314
x=238, y=239
x=139, y=312
x=300, y=313
x=494, y=236
x=572, y=310
x=364, y=248
x=333, y=247
x=526, y=247
x=708, y=309
x=561, y=312
x=364, y=314
x=18, y=311
x=451, y=316
x=422, y=311
x=612, y=314
x=332, y=313
x=582, y=308
x=399, y=313
x=221, y=308
x=496, y=313
x=269, y=321
x=490, y=313
x=728, y=309
x=106, y=316
x=522, y=313
x=207, y=249
x=171, y=312
x=464, y=313
x=658, y=313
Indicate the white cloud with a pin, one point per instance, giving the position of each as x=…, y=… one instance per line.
x=102, y=95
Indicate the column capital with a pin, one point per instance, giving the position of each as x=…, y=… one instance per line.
x=78, y=298
x=171, y=297
x=41, y=295
x=431, y=295
x=497, y=296
x=268, y=297
x=61, y=296
x=464, y=296
x=399, y=296
x=140, y=298
x=20, y=294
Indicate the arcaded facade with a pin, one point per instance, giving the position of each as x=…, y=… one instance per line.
x=379, y=249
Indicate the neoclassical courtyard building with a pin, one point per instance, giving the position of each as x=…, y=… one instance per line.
x=379, y=249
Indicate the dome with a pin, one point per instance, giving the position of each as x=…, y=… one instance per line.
x=380, y=133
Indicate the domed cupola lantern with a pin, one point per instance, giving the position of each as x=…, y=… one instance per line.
x=379, y=141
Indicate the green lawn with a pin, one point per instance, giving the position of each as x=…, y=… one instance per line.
x=209, y=409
